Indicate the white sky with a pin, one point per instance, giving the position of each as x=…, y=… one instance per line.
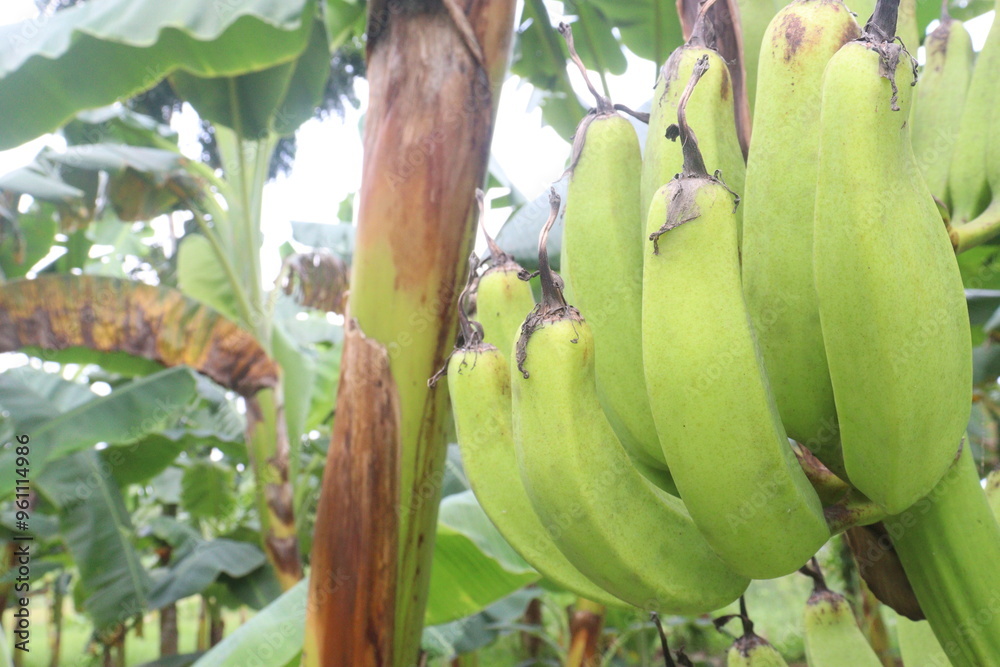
x=328, y=162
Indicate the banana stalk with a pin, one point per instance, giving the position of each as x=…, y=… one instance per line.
x=435, y=69
x=944, y=542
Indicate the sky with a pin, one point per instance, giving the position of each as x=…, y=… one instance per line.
x=328, y=160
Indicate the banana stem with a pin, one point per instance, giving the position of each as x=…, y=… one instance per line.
x=853, y=510
x=604, y=105
x=668, y=660
x=830, y=488
x=882, y=23
x=979, y=230
x=694, y=164
x=552, y=298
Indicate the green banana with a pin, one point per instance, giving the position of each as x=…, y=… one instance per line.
x=757, y=509
x=891, y=303
x=502, y=298
x=602, y=225
x=620, y=530
x=778, y=220
x=479, y=385
x=949, y=543
x=917, y=644
x=753, y=651
x=938, y=100
x=832, y=635
x=993, y=492
x=907, y=27
x=711, y=105
x=969, y=185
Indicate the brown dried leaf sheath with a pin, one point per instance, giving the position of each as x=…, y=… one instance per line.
x=352, y=598
x=113, y=315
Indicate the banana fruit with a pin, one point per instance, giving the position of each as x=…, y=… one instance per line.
x=891, y=302
x=778, y=218
x=713, y=107
x=738, y=476
x=976, y=152
x=832, y=635
x=479, y=386
x=938, y=100
x=503, y=300
x=618, y=529
x=753, y=651
x=917, y=644
x=948, y=543
x=993, y=492
x=602, y=226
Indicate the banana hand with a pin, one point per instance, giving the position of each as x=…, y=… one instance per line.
x=479, y=385
x=622, y=532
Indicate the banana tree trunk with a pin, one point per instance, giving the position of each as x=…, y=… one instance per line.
x=267, y=440
x=434, y=69
x=585, y=628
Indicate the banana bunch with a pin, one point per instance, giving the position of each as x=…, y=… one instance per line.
x=747, y=358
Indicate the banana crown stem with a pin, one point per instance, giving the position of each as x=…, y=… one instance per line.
x=553, y=306
x=682, y=206
x=879, y=35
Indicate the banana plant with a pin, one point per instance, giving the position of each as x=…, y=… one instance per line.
x=252, y=96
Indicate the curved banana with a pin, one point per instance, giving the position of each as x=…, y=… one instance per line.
x=503, y=300
x=620, y=530
x=754, y=651
x=891, y=303
x=717, y=421
x=778, y=220
x=917, y=644
x=943, y=542
x=969, y=187
x=832, y=635
x=602, y=228
x=711, y=105
x=938, y=100
x=479, y=385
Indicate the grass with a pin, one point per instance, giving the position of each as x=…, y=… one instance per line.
x=138, y=650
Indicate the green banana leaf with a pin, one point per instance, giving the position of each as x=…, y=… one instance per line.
x=540, y=56
x=48, y=69
x=473, y=565
x=98, y=531
x=201, y=567
x=127, y=414
x=207, y=490
x=273, y=636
